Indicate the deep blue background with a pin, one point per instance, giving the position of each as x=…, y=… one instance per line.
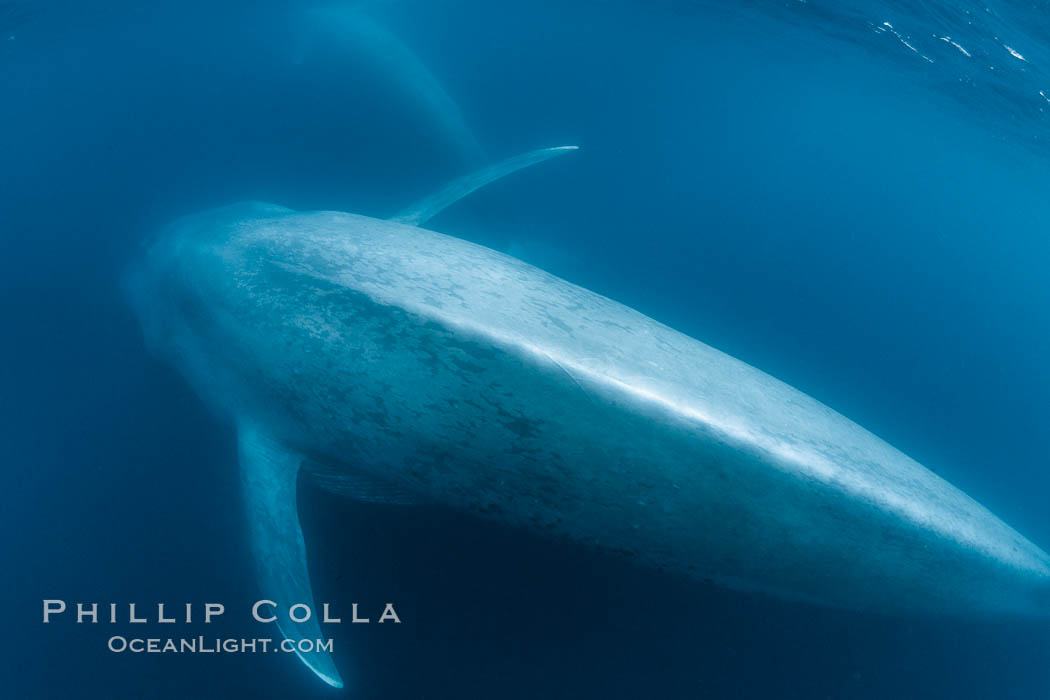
x=785, y=181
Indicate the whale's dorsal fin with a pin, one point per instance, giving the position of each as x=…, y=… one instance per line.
x=269, y=472
x=420, y=212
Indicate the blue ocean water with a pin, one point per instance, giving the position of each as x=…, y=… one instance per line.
x=850, y=196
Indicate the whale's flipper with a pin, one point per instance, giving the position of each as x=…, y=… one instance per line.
x=269, y=473
x=421, y=211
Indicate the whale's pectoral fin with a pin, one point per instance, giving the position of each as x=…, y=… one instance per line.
x=269, y=473
x=423, y=210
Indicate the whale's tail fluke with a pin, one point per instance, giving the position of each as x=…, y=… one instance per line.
x=387, y=55
x=421, y=211
x=269, y=472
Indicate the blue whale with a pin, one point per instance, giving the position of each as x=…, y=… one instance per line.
x=396, y=364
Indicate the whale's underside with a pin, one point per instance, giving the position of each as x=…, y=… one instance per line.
x=402, y=364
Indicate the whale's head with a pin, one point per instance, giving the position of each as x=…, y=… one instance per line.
x=182, y=288
x=148, y=287
x=216, y=301
x=259, y=308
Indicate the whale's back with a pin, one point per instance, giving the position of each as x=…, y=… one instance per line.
x=485, y=383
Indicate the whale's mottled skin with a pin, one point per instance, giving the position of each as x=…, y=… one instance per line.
x=443, y=371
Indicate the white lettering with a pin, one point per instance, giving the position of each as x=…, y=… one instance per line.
x=291, y=612
x=82, y=613
x=327, y=615
x=213, y=610
x=259, y=604
x=50, y=607
x=389, y=614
